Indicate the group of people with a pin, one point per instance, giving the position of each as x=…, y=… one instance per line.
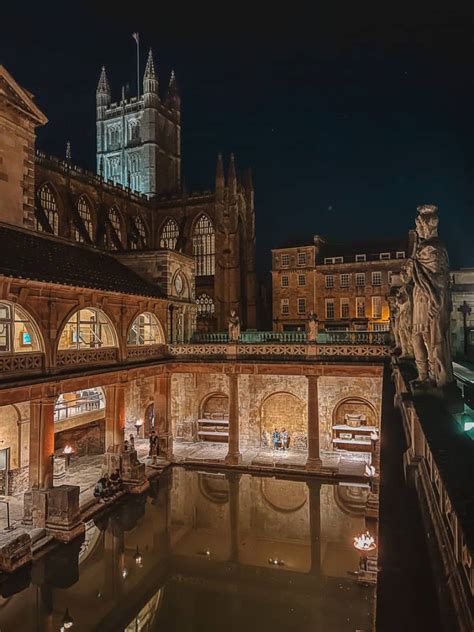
x=280, y=439
x=107, y=486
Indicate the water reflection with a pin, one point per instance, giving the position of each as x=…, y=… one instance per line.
x=205, y=551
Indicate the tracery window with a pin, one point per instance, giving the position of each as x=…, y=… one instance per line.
x=87, y=328
x=18, y=333
x=134, y=171
x=114, y=169
x=114, y=135
x=85, y=213
x=169, y=234
x=204, y=246
x=134, y=130
x=47, y=200
x=145, y=330
x=205, y=305
x=140, y=234
x=116, y=224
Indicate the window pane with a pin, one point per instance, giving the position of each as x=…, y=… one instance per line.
x=169, y=235
x=204, y=246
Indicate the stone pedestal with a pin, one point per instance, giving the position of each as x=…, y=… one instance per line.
x=133, y=472
x=112, y=461
x=15, y=550
x=56, y=509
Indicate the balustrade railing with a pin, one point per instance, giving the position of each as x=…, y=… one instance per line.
x=296, y=337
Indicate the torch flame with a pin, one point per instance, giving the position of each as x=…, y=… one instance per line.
x=364, y=542
x=68, y=449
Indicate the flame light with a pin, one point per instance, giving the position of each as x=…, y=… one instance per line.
x=364, y=542
x=68, y=450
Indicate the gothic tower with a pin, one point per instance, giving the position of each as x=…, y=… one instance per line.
x=139, y=139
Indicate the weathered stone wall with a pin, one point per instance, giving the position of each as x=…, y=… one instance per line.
x=138, y=395
x=88, y=439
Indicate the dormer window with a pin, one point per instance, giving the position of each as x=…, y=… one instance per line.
x=384, y=256
x=400, y=254
x=360, y=258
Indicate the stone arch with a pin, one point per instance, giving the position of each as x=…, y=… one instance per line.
x=275, y=496
x=351, y=500
x=214, y=489
x=353, y=405
x=168, y=233
x=203, y=239
x=155, y=322
x=21, y=323
x=186, y=292
x=79, y=219
x=122, y=235
x=55, y=208
x=112, y=338
x=214, y=403
x=283, y=409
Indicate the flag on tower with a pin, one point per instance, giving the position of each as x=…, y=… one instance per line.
x=135, y=37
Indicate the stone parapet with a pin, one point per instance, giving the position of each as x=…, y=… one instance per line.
x=15, y=550
x=56, y=510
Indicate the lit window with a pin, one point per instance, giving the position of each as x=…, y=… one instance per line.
x=204, y=246
x=87, y=328
x=400, y=254
x=284, y=280
x=301, y=279
x=47, y=201
x=344, y=280
x=376, y=278
x=329, y=280
x=301, y=306
x=145, y=330
x=360, y=279
x=285, y=260
x=384, y=256
x=285, y=306
x=360, y=258
x=114, y=219
x=376, y=307
x=134, y=172
x=205, y=305
x=329, y=308
x=360, y=307
x=301, y=258
x=169, y=234
x=344, y=308
x=85, y=213
x=77, y=403
x=18, y=333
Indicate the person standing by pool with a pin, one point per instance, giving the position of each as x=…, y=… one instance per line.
x=285, y=439
x=275, y=439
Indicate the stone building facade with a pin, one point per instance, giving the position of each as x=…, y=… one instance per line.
x=345, y=284
x=462, y=294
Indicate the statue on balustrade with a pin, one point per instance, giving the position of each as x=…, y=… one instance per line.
x=427, y=270
x=404, y=321
x=394, y=314
x=234, y=326
x=312, y=327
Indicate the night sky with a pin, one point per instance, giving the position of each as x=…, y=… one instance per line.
x=349, y=115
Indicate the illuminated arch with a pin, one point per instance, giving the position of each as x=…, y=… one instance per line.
x=46, y=198
x=204, y=246
x=88, y=328
x=18, y=331
x=274, y=414
x=146, y=329
x=356, y=405
x=84, y=208
x=169, y=234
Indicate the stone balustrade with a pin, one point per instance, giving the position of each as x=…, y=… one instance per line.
x=83, y=357
x=297, y=337
x=21, y=364
x=145, y=352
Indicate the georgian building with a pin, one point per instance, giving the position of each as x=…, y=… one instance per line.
x=136, y=201
x=345, y=284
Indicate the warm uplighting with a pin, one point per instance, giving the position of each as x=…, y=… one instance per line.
x=364, y=542
x=138, y=557
x=67, y=621
x=276, y=562
x=124, y=573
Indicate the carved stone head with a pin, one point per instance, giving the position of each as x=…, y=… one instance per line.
x=427, y=221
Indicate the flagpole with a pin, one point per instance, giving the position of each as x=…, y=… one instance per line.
x=138, y=66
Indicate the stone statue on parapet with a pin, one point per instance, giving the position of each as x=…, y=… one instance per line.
x=312, y=327
x=394, y=314
x=427, y=271
x=404, y=321
x=234, y=326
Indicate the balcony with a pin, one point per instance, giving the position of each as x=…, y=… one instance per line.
x=296, y=337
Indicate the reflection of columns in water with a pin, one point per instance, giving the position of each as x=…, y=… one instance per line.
x=41, y=442
x=314, y=495
x=233, y=455
x=234, y=514
x=314, y=459
x=162, y=408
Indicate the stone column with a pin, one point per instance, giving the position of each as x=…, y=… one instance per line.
x=234, y=456
x=114, y=416
x=42, y=442
x=314, y=495
x=314, y=459
x=162, y=407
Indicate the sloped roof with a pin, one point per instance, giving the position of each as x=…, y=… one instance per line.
x=19, y=97
x=28, y=255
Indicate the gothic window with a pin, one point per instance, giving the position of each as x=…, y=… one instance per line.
x=85, y=213
x=18, y=333
x=114, y=169
x=134, y=131
x=205, y=305
x=139, y=238
x=87, y=328
x=204, y=246
x=145, y=330
x=114, y=136
x=47, y=200
x=169, y=234
x=134, y=171
x=116, y=224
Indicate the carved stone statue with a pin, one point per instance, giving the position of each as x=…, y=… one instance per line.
x=312, y=327
x=428, y=271
x=234, y=326
x=394, y=314
x=404, y=322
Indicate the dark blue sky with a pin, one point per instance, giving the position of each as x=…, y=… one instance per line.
x=349, y=115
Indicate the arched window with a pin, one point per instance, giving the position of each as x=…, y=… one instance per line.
x=204, y=246
x=116, y=224
x=140, y=234
x=85, y=213
x=18, y=333
x=47, y=200
x=146, y=330
x=134, y=171
x=169, y=234
x=205, y=305
x=134, y=131
x=87, y=329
